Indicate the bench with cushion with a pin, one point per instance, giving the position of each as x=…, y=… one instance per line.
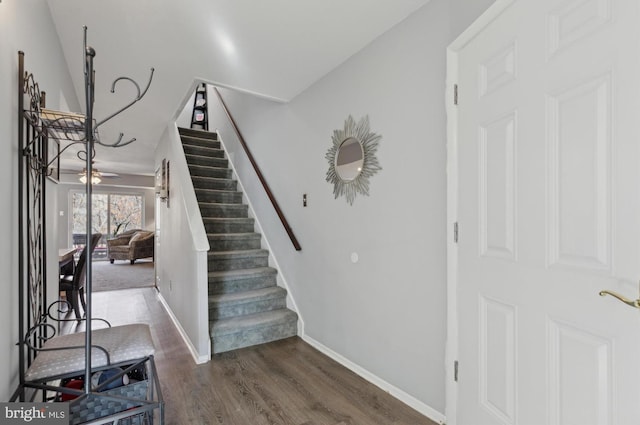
x=65, y=355
x=128, y=347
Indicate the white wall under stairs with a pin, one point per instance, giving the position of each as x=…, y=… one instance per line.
x=181, y=250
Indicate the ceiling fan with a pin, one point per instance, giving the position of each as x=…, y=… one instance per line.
x=96, y=175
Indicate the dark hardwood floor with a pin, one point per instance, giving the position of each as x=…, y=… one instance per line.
x=286, y=382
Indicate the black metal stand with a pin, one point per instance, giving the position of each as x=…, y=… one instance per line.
x=41, y=132
x=200, y=114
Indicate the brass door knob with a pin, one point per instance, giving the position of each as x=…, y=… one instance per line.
x=627, y=301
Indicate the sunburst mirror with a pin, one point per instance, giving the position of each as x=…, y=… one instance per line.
x=352, y=159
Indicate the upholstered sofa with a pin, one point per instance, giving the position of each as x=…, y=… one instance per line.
x=131, y=245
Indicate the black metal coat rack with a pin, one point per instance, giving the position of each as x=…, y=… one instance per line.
x=43, y=136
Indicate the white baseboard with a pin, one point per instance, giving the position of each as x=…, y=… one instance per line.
x=407, y=399
x=197, y=357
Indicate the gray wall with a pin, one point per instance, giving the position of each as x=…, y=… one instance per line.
x=464, y=12
x=24, y=25
x=385, y=313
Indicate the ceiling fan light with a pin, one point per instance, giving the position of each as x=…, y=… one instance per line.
x=95, y=176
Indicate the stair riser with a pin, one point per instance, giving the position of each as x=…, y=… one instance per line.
x=226, y=211
x=237, y=285
x=234, y=244
x=217, y=265
x=218, y=184
x=207, y=161
x=225, y=197
x=245, y=226
x=258, y=306
x=212, y=151
x=218, y=173
x=251, y=337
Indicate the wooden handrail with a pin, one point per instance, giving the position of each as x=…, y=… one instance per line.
x=272, y=198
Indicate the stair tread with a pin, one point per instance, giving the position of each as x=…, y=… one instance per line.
x=223, y=204
x=230, y=236
x=195, y=141
x=198, y=142
x=241, y=273
x=212, y=178
x=199, y=137
x=197, y=186
x=222, y=192
x=207, y=167
x=227, y=219
x=251, y=321
x=200, y=146
x=207, y=164
x=218, y=196
x=259, y=252
x=203, y=156
x=248, y=296
x=202, y=151
x=194, y=132
x=206, y=189
x=207, y=161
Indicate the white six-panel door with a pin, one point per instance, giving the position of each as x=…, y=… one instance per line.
x=546, y=193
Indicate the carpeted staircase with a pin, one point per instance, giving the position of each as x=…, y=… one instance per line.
x=246, y=307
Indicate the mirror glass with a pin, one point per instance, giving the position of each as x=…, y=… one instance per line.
x=349, y=159
x=352, y=158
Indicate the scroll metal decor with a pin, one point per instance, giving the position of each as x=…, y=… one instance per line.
x=352, y=158
x=44, y=134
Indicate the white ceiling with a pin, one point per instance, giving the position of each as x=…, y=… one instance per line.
x=274, y=48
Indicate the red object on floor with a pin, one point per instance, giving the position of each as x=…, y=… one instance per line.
x=76, y=384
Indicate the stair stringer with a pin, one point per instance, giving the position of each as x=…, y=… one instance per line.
x=281, y=280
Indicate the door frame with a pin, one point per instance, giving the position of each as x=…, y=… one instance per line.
x=453, y=50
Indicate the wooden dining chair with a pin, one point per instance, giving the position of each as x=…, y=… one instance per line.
x=73, y=285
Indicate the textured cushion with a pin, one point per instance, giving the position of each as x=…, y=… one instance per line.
x=138, y=235
x=123, y=343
